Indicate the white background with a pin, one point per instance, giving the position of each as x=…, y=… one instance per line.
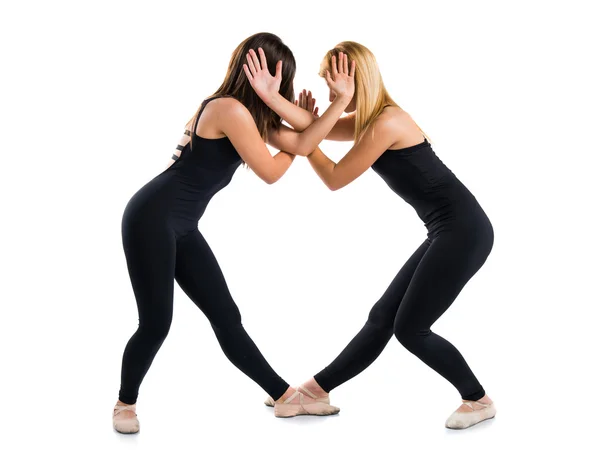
x=94, y=97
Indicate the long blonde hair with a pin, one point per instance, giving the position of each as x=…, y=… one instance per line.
x=370, y=92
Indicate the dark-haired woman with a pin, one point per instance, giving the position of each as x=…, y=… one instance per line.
x=160, y=224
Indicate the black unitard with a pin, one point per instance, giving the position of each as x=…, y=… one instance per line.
x=162, y=242
x=459, y=240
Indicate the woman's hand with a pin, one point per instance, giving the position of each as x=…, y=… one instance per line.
x=342, y=81
x=306, y=101
x=265, y=85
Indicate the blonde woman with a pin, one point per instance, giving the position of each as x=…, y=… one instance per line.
x=459, y=234
x=162, y=242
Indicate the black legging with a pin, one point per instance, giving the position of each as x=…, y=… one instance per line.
x=157, y=253
x=419, y=294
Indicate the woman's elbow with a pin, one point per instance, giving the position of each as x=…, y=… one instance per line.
x=272, y=177
x=268, y=178
x=333, y=186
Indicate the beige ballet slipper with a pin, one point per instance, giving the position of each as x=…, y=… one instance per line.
x=463, y=420
x=125, y=425
x=301, y=404
x=270, y=402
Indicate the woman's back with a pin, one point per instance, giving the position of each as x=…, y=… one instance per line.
x=179, y=195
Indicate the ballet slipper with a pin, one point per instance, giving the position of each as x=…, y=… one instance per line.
x=270, y=402
x=125, y=425
x=301, y=404
x=463, y=420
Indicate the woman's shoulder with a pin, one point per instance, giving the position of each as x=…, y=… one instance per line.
x=226, y=103
x=227, y=114
x=393, y=114
x=394, y=125
x=390, y=120
x=400, y=126
x=226, y=108
x=396, y=118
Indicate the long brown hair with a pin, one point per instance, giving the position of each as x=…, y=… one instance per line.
x=236, y=82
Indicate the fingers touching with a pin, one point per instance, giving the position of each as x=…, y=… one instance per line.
x=306, y=101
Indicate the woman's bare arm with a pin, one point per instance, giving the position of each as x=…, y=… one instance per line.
x=267, y=87
x=236, y=122
x=378, y=138
x=343, y=130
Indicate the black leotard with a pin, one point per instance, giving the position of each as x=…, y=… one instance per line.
x=162, y=242
x=459, y=239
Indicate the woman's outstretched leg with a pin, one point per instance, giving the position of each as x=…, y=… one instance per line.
x=368, y=344
x=200, y=277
